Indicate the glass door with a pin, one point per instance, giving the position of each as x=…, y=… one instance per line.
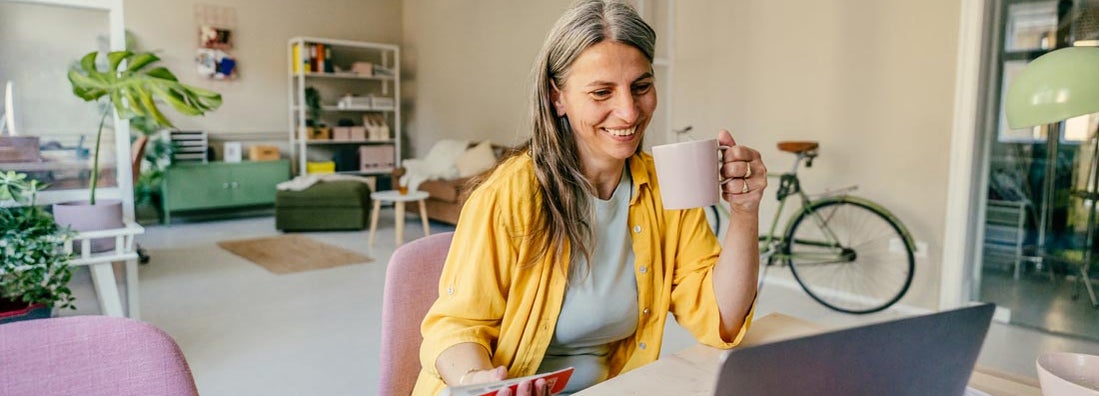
x=1039, y=221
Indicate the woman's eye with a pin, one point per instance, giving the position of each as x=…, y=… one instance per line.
x=642, y=88
x=601, y=94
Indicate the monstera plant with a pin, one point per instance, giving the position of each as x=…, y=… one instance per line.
x=132, y=85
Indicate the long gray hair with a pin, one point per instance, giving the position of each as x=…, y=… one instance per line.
x=565, y=209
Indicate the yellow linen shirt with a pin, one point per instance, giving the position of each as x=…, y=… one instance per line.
x=488, y=296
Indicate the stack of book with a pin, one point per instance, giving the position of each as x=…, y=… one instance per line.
x=189, y=146
x=312, y=58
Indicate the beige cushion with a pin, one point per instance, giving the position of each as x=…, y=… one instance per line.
x=478, y=159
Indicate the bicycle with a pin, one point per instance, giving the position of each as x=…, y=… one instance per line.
x=846, y=252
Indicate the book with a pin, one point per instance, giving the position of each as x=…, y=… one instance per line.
x=295, y=50
x=557, y=381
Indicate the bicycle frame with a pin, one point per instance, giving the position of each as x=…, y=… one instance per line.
x=773, y=246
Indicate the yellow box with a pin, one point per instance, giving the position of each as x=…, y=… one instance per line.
x=320, y=167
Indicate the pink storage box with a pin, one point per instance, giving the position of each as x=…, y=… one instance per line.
x=377, y=158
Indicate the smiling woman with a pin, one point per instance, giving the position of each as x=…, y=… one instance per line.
x=564, y=255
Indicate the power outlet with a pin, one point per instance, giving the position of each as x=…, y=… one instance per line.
x=896, y=245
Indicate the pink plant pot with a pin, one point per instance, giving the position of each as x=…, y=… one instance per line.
x=106, y=214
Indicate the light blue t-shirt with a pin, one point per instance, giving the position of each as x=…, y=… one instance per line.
x=600, y=304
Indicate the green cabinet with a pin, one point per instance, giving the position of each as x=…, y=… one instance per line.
x=216, y=185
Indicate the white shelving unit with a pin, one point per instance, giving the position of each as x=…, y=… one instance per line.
x=333, y=83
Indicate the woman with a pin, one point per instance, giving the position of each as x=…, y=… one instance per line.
x=564, y=255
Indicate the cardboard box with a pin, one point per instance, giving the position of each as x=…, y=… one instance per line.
x=19, y=149
x=351, y=133
x=377, y=159
x=341, y=133
x=261, y=152
x=318, y=133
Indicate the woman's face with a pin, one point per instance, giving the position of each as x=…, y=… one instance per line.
x=609, y=98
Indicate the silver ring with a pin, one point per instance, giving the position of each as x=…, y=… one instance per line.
x=749, y=173
x=745, y=189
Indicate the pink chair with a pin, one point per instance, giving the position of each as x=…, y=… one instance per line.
x=411, y=286
x=91, y=355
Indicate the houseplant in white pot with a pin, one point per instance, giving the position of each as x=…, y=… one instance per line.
x=131, y=87
x=34, y=269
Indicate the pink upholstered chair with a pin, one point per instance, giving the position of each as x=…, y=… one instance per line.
x=91, y=355
x=411, y=286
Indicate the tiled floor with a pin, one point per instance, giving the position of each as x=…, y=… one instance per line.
x=246, y=331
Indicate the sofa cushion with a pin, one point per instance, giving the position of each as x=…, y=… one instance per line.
x=478, y=159
x=444, y=190
x=344, y=193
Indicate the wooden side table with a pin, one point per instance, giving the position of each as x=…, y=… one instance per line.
x=398, y=203
x=102, y=269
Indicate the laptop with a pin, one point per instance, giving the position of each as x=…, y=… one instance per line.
x=922, y=355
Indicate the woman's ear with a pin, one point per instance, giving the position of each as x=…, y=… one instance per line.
x=555, y=96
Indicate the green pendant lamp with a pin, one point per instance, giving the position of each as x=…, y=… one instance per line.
x=1057, y=86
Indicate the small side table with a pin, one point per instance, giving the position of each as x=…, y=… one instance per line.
x=398, y=203
x=102, y=270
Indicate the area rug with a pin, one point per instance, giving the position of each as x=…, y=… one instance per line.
x=285, y=254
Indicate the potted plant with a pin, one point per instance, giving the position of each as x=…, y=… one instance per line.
x=34, y=269
x=131, y=87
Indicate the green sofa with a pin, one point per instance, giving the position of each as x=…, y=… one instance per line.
x=325, y=206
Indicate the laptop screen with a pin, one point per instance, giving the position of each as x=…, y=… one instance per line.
x=923, y=355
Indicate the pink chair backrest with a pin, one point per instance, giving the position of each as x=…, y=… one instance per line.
x=411, y=286
x=91, y=355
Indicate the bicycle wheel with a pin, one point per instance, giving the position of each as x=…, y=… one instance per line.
x=849, y=255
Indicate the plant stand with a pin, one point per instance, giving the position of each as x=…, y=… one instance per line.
x=102, y=269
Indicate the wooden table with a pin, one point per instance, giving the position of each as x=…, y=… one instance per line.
x=398, y=200
x=693, y=371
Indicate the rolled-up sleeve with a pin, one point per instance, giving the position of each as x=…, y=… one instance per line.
x=473, y=285
x=693, y=302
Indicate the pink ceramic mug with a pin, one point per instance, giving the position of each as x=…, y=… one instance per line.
x=687, y=172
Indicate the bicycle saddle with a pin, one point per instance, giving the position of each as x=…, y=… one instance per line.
x=797, y=147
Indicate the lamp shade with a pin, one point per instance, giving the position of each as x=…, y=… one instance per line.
x=1057, y=86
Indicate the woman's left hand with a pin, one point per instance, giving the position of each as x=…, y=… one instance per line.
x=743, y=174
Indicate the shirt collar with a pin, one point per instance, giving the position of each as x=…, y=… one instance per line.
x=640, y=174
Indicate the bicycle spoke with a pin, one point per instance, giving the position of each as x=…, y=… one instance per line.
x=840, y=253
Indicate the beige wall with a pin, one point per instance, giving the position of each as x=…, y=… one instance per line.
x=466, y=66
x=872, y=80
x=257, y=101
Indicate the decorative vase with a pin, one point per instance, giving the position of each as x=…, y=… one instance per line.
x=11, y=311
x=106, y=214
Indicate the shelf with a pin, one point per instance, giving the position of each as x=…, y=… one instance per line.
x=365, y=90
x=349, y=76
x=374, y=173
x=333, y=142
x=353, y=109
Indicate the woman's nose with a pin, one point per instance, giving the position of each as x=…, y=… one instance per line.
x=625, y=107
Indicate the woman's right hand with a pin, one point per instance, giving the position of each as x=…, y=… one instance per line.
x=537, y=387
x=481, y=376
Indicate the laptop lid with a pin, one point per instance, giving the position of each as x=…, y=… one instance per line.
x=922, y=355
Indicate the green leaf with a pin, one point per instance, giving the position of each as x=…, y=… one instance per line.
x=140, y=61
x=115, y=58
x=88, y=62
x=161, y=73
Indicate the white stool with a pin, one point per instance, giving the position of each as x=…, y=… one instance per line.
x=102, y=270
x=398, y=203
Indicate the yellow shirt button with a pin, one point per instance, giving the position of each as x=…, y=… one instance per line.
x=641, y=345
x=450, y=290
x=636, y=229
x=646, y=311
x=644, y=269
